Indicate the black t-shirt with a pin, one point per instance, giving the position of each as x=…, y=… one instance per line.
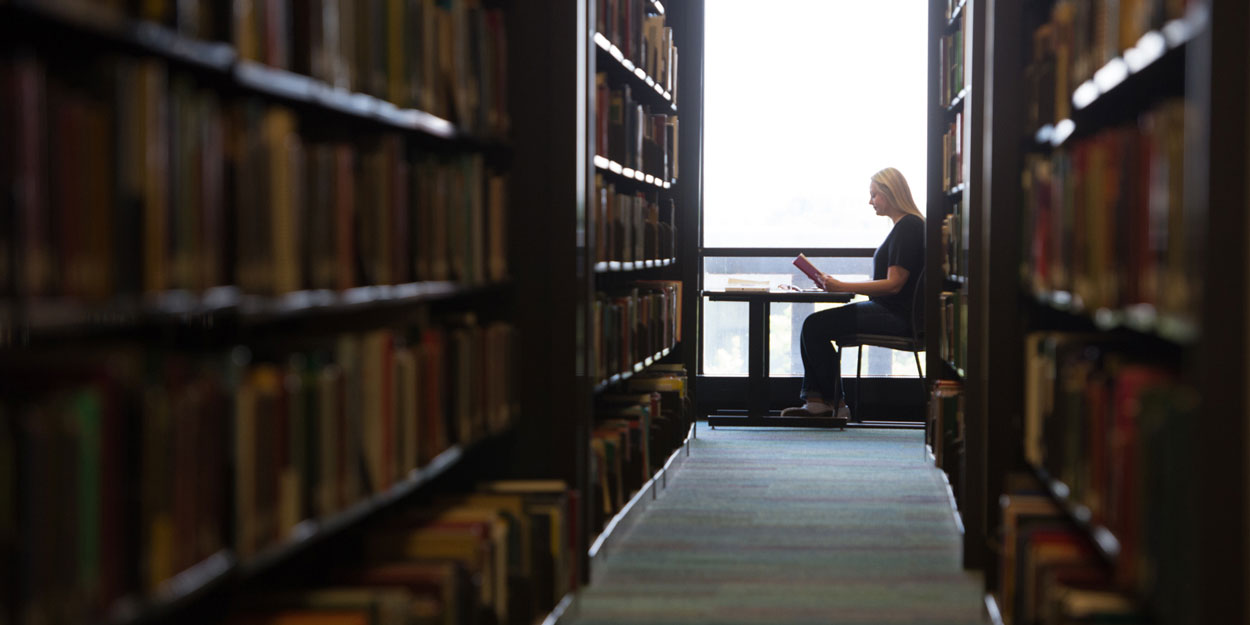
x=903, y=247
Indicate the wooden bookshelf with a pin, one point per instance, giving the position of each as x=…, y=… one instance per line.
x=1103, y=540
x=951, y=267
x=135, y=35
x=176, y=372
x=1172, y=87
x=221, y=61
x=33, y=321
x=646, y=86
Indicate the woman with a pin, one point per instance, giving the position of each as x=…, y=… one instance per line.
x=896, y=267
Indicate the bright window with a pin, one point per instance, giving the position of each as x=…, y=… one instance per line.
x=804, y=101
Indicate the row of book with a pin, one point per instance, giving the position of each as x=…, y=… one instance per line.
x=206, y=20
x=953, y=153
x=445, y=57
x=643, y=39
x=1104, y=218
x=951, y=63
x=626, y=133
x=946, y=432
x=504, y=553
x=635, y=430
x=953, y=319
x=402, y=398
x=1050, y=573
x=175, y=188
x=633, y=325
x=1080, y=38
x=130, y=467
x=1117, y=429
x=955, y=241
x=629, y=227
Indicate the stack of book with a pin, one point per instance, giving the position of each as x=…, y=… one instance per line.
x=1050, y=573
x=635, y=431
x=502, y=553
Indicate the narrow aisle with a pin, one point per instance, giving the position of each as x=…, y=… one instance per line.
x=792, y=526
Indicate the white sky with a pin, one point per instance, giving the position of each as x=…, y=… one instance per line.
x=804, y=101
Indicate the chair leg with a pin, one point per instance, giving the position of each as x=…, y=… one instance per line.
x=923, y=389
x=859, y=362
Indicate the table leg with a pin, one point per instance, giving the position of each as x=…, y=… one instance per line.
x=757, y=356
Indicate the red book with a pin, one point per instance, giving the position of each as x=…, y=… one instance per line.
x=808, y=268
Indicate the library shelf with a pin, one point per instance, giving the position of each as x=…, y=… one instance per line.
x=177, y=593
x=1140, y=319
x=957, y=103
x=638, y=367
x=952, y=22
x=1126, y=84
x=223, y=573
x=1104, y=542
x=324, y=302
x=1152, y=51
x=616, y=266
x=620, y=173
x=312, y=532
x=640, y=82
x=111, y=26
x=260, y=79
x=601, y=547
x=38, y=319
x=558, y=612
x=993, y=615
x=221, y=60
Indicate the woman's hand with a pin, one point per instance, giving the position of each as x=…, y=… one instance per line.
x=831, y=284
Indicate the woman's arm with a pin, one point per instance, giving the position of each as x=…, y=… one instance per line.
x=895, y=278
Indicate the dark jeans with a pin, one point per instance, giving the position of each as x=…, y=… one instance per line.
x=822, y=362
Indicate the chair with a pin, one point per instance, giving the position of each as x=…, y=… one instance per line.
x=913, y=344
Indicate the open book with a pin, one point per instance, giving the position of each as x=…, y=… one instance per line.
x=807, y=268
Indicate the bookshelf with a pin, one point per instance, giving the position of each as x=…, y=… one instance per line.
x=952, y=262
x=259, y=315
x=1136, y=115
x=603, y=292
x=640, y=225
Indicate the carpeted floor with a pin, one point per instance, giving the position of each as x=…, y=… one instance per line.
x=791, y=526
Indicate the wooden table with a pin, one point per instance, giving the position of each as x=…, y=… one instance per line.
x=757, y=355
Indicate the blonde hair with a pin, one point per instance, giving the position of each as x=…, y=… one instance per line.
x=894, y=186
